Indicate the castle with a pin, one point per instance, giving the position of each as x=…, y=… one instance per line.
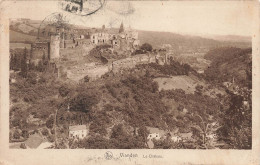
x=66, y=40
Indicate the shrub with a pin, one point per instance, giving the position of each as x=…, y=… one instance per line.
x=25, y=134
x=146, y=47
x=63, y=91
x=45, y=132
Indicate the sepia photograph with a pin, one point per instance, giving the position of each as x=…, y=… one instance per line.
x=97, y=74
x=127, y=85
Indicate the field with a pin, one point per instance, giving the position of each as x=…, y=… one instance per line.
x=20, y=37
x=183, y=82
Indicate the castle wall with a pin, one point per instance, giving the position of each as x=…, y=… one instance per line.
x=96, y=71
x=131, y=62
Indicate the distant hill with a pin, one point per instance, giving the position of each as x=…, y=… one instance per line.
x=228, y=63
x=231, y=38
x=18, y=37
x=160, y=38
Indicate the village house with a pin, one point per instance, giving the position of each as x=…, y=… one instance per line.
x=36, y=141
x=155, y=133
x=100, y=38
x=186, y=136
x=78, y=131
x=176, y=139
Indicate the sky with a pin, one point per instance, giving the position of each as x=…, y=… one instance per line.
x=184, y=17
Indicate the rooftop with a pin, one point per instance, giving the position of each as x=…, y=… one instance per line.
x=34, y=141
x=156, y=130
x=186, y=135
x=77, y=127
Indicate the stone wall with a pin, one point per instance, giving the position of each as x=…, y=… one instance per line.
x=55, y=47
x=131, y=62
x=92, y=71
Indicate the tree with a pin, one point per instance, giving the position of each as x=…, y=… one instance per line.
x=143, y=132
x=50, y=122
x=83, y=102
x=23, y=146
x=86, y=78
x=117, y=131
x=121, y=29
x=24, y=64
x=25, y=134
x=237, y=124
x=63, y=91
x=147, y=47
x=16, y=134
x=45, y=132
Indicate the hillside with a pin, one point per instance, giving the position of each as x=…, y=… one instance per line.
x=232, y=38
x=21, y=37
x=228, y=63
x=160, y=38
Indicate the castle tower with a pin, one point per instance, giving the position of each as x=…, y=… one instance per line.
x=55, y=47
x=62, y=36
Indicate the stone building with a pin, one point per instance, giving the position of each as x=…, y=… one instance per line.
x=45, y=50
x=82, y=41
x=100, y=38
x=39, y=51
x=78, y=131
x=55, y=47
x=69, y=44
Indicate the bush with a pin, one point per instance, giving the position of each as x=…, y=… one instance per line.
x=50, y=122
x=25, y=134
x=147, y=47
x=23, y=146
x=63, y=91
x=45, y=132
x=83, y=102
